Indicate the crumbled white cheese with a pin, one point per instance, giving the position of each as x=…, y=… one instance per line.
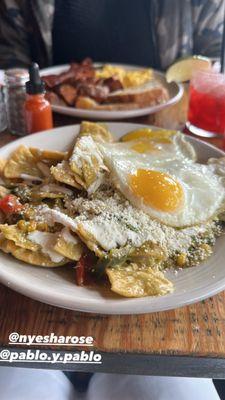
x=114, y=222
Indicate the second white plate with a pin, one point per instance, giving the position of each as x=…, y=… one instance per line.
x=175, y=91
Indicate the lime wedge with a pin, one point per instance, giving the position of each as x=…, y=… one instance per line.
x=182, y=70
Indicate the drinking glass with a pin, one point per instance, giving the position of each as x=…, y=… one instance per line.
x=206, y=114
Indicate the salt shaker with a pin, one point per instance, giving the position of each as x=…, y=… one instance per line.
x=15, y=95
x=3, y=123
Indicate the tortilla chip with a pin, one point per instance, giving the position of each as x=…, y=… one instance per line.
x=52, y=157
x=28, y=256
x=73, y=251
x=31, y=161
x=13, y=233
x=3, y=191
x=132, y=280
x=89, y=172
x=22, y=161
x=87, y=163
x=99, y=132
x=62, y=173
x=90, y=242
x=44, y=168
x=2, y=166
x=149, y=254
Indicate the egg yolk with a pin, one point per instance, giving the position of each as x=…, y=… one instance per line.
x=161, y=135
x=157, y=189
x=149, y=146
x=144, y=147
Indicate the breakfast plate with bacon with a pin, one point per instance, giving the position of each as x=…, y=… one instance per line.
x=108, y=91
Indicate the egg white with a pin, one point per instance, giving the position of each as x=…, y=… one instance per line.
x=156, y=150
x=203, y=190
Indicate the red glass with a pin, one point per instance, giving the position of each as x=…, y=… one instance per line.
x=207, y=103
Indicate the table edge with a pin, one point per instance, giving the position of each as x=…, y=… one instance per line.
x=133, y=364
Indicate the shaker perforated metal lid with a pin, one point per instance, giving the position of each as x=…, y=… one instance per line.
x=16, y=76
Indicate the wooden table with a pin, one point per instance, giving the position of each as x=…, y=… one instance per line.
x=188, y=341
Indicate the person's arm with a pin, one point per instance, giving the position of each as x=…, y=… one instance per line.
x=208, y=25
x=14, y=45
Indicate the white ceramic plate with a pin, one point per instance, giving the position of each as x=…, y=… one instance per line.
x=175, y=93
x=57, y=285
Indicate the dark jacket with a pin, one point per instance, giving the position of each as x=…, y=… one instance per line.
x=178, y=27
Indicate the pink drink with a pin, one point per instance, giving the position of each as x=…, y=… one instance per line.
x=206, y=115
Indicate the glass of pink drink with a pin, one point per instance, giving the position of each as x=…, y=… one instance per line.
x=206, y=114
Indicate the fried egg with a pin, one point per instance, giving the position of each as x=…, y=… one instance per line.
x=151, y=146
x=175, y=192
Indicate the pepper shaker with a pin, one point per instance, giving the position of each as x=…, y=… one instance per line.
x=3, y=123
x=15, y=95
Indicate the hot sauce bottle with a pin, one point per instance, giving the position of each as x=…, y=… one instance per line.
x=38, y=112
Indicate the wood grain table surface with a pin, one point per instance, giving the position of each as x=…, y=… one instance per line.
x=188, y=341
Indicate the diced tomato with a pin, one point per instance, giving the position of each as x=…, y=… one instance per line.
x=83, y=268
x=10, y=204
